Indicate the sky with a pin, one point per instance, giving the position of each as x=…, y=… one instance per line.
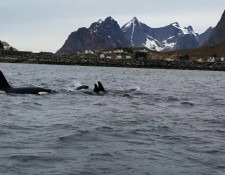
x=44, y=25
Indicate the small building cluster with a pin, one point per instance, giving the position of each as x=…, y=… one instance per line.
x=211, y=59
x=116, y=54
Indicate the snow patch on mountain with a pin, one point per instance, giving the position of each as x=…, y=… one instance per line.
x=152, y=44
x=186, y=30
x=100, y=21
x=167, y=46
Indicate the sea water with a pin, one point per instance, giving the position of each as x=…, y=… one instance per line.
x=150, y=121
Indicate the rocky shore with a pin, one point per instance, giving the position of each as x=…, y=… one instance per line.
x=134, y=63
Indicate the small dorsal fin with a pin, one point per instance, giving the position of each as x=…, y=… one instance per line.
x=96, y=89
x=100, y=87
x=3, y=82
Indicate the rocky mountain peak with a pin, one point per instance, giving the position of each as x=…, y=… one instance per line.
x=100, y=35
x=135, y=20
x=223, y=15
x=218, y=33
x=109, y=19
x=134, y=23
x=190, y=29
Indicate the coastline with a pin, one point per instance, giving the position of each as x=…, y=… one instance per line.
x=131, y=63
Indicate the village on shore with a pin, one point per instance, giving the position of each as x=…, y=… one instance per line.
x=126, y=57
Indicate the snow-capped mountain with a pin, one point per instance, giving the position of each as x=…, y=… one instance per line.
x=171, y=37
x=108, y=34
x=136, y=33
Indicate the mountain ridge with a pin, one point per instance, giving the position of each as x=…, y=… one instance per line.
x=100, y=35
x=108, y=34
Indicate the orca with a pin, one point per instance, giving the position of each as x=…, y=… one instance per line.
x=4, y=86
x=97, y=89
x=82, y=87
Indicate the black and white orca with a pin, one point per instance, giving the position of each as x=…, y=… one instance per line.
x=4, y=86
x=97, y=89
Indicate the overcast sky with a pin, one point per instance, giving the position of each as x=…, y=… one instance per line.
x=44, y=25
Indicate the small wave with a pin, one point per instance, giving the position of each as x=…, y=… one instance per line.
x=137, y=142
x=137, y=88
x=213, y=151
x=134, y=132
x=3, y=132
x=62, y=126
x=24, y=158
x=127, y=95
x=212, y=121
x=101, y=155
x=28, y=103
x=172, y=99
x=172, y=137
x=29, y=158
x=187, y=104
x=140, y=93
x=85, y=135
x=220, y=166
x=15, y=127
x=220, y=131
x=100, y=104
x=104, y=128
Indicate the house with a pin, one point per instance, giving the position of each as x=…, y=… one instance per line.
x=102, y=55
x=118, y=57
x=211, y=59
x=88, y=52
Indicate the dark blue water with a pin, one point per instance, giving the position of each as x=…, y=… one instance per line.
x=151, y=121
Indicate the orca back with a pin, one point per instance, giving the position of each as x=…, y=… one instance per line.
x=82, y=87
x=100, y=87
x=3, y=82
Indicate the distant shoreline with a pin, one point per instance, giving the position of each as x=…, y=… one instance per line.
x=129, y=63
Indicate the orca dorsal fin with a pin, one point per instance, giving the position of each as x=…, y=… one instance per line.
x=96, y=89
x=3, y=82
x=100, y=87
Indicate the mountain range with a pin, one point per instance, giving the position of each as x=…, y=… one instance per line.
x=107, y=33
